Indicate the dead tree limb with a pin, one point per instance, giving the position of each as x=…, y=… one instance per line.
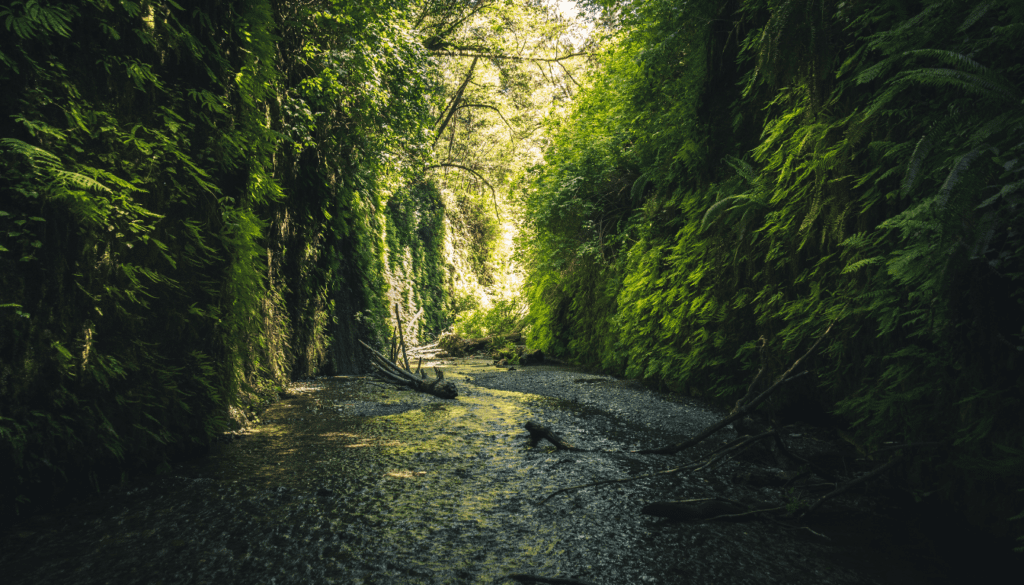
x=455, y=100
x=620, y=480
x=708, y=511
x=401, y=338
x=910, y=446
x=539, y=432
x=822, y=472
x=753, y=385
x=742, y=411
x=731, y=447
x=438, y=387
x=850, y=484
x=734, y=449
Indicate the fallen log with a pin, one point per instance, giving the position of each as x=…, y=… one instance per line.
x=539, y=432
x=392, y=373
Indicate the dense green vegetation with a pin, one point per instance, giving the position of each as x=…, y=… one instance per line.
x=759, y=169
x=202, y=201
x=199, y=202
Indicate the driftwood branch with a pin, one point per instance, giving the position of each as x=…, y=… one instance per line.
x=743, y=410
x=539, y=432
x=391, y=372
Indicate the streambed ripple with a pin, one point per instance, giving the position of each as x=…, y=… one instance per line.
x=353, y=481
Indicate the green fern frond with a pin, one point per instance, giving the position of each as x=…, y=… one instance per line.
x=743, y=169
x=886, y=39
x=636, y=193
x=953, y=58
x=717, y=209
x=80, y=181
x=970, y=82
x=855, y=266
x=875, y=71
x=36, y=155
x=728, y=204
x=975, y=15
x=955, y=173
x=1006, y=190
x=995, y=125
x=917, y=158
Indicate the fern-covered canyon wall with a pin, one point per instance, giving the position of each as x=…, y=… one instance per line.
x=199, y=201
x=742, y=174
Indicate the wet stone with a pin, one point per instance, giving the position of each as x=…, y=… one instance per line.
x=359, y=482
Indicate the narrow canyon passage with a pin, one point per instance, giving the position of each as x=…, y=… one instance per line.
x=352, y=481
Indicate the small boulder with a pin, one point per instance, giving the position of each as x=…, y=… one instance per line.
x=531, y=358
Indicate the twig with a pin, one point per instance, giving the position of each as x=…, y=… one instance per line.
x=757, y=378
x=692, y=466
x=815, y=468
x=853, y=482
x=621, y=480
x=910, y=446
x=738, y=448
x=552, y=580
x=791, y=527
x=742, y=411
x=401, y=338
x=712, y=429
x=742, y=514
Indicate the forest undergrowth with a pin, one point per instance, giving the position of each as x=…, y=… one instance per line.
x=739, y=175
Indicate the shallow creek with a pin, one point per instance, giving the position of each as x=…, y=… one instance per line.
x=353, y=481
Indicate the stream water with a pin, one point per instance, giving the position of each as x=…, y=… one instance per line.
x=353, y=481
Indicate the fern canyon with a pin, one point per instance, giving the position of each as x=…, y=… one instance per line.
x=511, y=291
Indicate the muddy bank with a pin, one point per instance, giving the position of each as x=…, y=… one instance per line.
x=353, y=481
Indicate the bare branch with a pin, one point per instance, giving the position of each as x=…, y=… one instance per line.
x=500, y=57
x=511, y=130
x=846, y=486
x=712, y=429
x=455, y=101
x=494, y=194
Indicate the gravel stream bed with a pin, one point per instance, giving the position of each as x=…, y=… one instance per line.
x=353, y=481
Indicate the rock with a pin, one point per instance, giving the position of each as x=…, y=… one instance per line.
x=532, y=357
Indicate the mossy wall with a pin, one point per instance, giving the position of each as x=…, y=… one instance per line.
x=193, y=205
x=759, y=169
